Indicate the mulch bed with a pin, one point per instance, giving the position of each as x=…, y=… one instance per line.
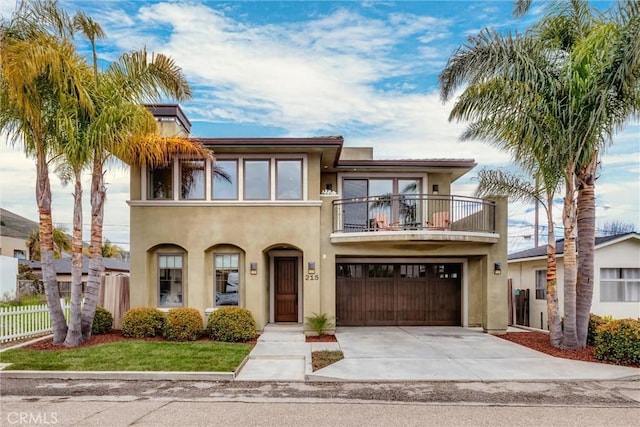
x=113, y=336
x=540, y=341
x=321, y=338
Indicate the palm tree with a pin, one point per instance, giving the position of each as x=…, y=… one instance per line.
x=580, y=75
x=109, y=250
x=124, y=128
x=40, y=74
x=61, y=243
x=492, y=182
x=512, y=82
x=605, y=60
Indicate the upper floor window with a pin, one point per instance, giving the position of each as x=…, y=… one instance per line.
x=244, y=178
x=289, y=179
x=192, y=179
x=170, y=276
x=225, y=188
x=256, y=179
x=160, y=183
x=619, y=284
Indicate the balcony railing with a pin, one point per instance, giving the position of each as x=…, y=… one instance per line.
x=395, y=212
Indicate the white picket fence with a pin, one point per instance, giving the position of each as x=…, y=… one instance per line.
x=26, y=321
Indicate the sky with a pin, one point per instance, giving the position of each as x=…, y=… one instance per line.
x=365, y=70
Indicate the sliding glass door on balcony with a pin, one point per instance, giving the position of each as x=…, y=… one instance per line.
x=355, y=216
x=381, y=204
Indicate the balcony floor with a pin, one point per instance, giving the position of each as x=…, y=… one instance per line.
x=423, y=236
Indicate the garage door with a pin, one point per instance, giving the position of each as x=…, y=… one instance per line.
x=377, y=294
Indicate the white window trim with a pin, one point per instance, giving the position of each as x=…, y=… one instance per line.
x=241, y=283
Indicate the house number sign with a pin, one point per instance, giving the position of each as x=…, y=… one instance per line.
x=311, y=277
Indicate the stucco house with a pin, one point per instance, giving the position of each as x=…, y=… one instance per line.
x=14, y=233
x=616, y=286
x=307, y=225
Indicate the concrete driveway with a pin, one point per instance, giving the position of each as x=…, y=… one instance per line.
x=450, y=353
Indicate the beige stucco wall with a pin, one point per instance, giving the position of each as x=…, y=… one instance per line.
x=10, y=244
x=200, y=229
x=624, y=254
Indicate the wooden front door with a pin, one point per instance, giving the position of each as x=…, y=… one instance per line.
x=286, y=289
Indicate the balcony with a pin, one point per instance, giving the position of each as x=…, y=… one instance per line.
x=414, y=217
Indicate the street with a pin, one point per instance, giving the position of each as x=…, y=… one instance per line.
x=200, y=403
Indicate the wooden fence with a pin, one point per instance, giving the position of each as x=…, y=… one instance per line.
x=17, y=322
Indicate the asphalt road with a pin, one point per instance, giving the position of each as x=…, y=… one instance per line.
x=200, y=403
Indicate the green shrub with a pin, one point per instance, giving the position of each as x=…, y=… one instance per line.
x=183, y=324
x=102, y=321
x=618, y=341
x=594, y=323
x=231, y=324
x=142, y=322
x=319, y=323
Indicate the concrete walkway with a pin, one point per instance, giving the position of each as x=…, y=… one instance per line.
x=413, y=354
x=281, y=354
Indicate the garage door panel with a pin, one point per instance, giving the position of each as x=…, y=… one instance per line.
x=350, y=302
x=380, y=302
x=445, y=304
x=411, y=302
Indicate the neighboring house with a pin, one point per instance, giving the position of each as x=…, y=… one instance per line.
x=14, y=232
x=616, y=287
x=308, y=226
x=63, y=270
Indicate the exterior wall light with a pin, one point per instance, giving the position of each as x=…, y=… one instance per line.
x=253, y=268
x=435, y=189
x=312, y=267
x=497, y=269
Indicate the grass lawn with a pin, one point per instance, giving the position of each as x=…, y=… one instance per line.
x=198, y=356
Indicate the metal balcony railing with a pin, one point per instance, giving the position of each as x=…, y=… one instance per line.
x=395, y=212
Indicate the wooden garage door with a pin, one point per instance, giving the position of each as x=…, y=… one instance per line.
x=379, y=294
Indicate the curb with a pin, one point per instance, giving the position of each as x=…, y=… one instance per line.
x=119, y=375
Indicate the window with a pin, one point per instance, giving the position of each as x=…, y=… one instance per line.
x=620, y=284
x=160, y=183
x=227, y=279
x=192, y=176
x=224, y=189
x=541, y=284
x=289, y=179
x=170, y=280
x=17, y=253
x=256, y=179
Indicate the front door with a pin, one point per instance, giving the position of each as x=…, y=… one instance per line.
x=286, y=289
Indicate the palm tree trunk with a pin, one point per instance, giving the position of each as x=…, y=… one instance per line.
x=586, y=214
x=43, y=198
x=553, y=315
x=74, y=334
x=569, y=336
x=92, y=293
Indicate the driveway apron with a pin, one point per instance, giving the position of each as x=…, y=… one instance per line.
x=450, y=353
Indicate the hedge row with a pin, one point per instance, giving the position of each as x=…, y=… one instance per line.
x=615, y=340
x=229, y=324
